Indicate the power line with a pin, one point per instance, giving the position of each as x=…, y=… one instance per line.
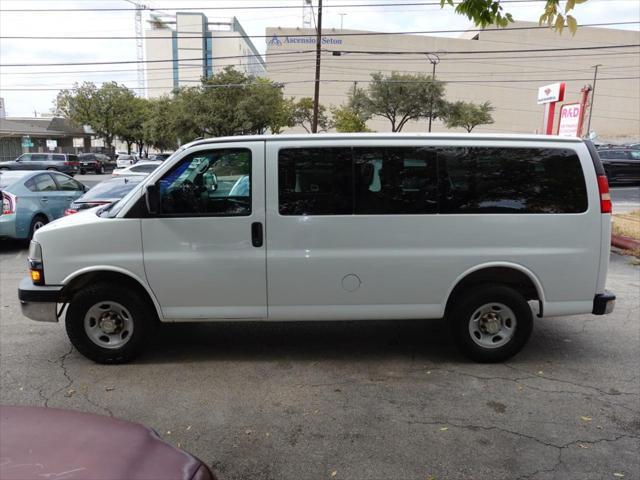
x=298, y=52
x=248, y=7
x=349, y=34
x=363, y=60
x=121, y=62
x=475, y=52
x=279, y=84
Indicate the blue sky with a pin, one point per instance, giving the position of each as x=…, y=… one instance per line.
x=24, y=103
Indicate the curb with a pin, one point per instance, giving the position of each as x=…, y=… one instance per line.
x=625, y=243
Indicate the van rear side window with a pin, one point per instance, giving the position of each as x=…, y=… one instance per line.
x=510, y=180
x=429, y=180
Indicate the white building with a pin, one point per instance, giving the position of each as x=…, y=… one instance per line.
x=509, y=80
x=179, y=53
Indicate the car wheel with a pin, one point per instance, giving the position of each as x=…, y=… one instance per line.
x=108, y=323
x=82, y=172
x=100, y=171
x=4, y=169
x=37, y=223
x=490, y=323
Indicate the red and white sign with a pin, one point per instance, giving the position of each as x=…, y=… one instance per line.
x=548, y=96
x=570, y=118
x=551, y=93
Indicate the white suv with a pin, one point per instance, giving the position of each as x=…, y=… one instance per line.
x=487, y=231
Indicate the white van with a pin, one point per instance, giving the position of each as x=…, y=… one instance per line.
x=483, y=230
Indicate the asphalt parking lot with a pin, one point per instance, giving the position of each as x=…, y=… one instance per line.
x=377, y=400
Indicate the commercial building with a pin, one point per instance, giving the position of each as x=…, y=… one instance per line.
x=22, y=135
x=182, y=51
x=475, y=69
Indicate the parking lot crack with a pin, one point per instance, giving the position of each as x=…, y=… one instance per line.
x=61, y=363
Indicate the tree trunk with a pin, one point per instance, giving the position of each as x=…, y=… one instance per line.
x=108, y=141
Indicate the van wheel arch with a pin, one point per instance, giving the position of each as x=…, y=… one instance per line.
x=502, y=275
x=78, y=283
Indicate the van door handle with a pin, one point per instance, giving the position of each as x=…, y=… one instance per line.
x=256, y=234
x=44, y=199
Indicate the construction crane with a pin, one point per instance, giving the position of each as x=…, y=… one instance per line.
x=139, y=45
x=307, y=13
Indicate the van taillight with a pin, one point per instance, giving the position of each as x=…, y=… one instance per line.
x=605, y=196
x=8, y=203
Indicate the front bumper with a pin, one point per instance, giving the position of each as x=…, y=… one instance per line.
x=603, y=303
x=39, y=302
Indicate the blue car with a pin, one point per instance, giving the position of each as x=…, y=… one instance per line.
x=32, y=199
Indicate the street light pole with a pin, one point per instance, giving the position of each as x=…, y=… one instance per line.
x=316, y=93
x=593, y=94
x=434, y=60
x=341, y=19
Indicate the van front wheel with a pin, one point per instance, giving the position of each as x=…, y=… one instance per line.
x=491, y=323
x=109, y=324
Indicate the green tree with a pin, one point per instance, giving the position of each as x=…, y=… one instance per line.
x=468, y=115
x=490, y=12
x=100, y=108
x=229, y=103
x=130, y=125
x=302, y=115
x=403, y=97
x=347, y=120
x=159, y=129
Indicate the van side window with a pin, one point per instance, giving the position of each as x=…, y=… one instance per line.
x=510, y=180
x=315, y=181
x=208, y=183
x=395, y=180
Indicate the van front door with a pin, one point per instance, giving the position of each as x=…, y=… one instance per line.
x=204, y=253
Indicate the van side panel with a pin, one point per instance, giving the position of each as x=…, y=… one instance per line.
x=404, y=266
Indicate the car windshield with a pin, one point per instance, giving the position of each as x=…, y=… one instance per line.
x=111, y=189
x=8, y=178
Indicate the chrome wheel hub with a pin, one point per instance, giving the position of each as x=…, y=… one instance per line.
x=492, y=325
x=108, y=324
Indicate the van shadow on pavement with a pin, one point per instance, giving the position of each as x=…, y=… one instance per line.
x=302, y=340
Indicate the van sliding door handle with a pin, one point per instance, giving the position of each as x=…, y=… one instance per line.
x=256, y=234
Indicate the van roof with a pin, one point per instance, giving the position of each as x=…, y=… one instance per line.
x=386, y=136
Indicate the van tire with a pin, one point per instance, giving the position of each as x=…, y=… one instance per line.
x=479, y=312
x=140, y=321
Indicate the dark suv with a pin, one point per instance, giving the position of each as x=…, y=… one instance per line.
x=61, y=162
x=95, y=162
x=622, y=165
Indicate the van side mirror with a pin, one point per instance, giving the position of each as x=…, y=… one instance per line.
x=152, y=197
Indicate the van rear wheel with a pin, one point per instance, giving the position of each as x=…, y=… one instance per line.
x=491, y=323
x=108, y=323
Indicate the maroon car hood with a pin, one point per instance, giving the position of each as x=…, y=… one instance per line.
x=48, y=443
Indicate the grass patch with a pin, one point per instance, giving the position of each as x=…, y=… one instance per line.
x=627, y=224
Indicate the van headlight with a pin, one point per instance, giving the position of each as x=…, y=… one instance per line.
x=36, y=267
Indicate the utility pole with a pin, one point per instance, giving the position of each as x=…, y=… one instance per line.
x=434, y=60
x=593, y=94
x=316, y=94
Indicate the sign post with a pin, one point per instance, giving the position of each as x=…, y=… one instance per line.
x=548, y=96
x=570, y=120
